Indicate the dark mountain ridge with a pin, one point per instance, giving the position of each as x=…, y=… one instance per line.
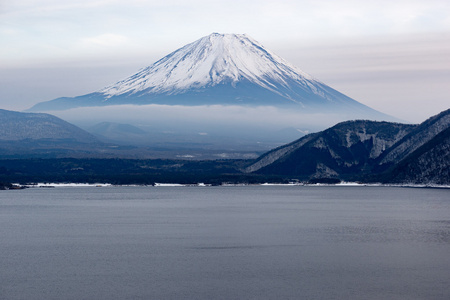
x=428, y=164
x=357, y=150
x=419, y=136
x=348, y=147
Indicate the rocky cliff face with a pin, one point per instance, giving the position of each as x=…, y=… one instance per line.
x=389, y=152
x=422, y=134
x=428, y=164
x=345, y=148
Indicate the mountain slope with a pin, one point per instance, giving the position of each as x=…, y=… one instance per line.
x=116, y=131
x=346, y=148
x=428, y=164
x=415, y=139
x=42, y=135
x=389, y=152
x=35, y=126
x=226, y=69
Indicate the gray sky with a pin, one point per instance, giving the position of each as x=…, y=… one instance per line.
x=391, y=55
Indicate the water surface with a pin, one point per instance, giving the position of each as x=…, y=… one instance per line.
x=254, y=242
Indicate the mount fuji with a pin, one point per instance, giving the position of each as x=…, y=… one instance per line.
x=221, y=69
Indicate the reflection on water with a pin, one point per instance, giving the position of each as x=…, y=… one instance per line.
x=269, y=242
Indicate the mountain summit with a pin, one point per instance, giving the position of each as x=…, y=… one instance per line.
x=223, y=69
x=217, y=59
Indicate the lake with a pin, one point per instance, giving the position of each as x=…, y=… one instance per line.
x=249, y=242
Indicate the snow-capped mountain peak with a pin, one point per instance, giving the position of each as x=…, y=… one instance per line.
x=211, y=60
x=220, y=69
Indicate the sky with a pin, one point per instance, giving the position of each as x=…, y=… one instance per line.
x=393, y=56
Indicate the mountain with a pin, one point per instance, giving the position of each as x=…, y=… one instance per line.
x=362, y=150
x=428, y=164
x=346, y=148
x=422, y=156
x=37, y=126
x=415, y=139
x=117, y=132
x=224, y=69
x=162, y=142
x=40, y=134
x=384, y=151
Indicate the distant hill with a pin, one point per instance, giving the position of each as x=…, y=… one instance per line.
x=106, y=128
x=17, y=126
x=357, y=149
x=117, y=132
x=39, y=134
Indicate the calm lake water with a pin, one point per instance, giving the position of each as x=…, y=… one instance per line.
x=253, y=242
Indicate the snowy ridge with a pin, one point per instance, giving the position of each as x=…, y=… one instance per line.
x=213, y=60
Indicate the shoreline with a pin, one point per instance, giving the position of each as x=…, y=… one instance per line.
x=341, y=184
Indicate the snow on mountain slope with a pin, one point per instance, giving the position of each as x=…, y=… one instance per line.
x=211, y=60
x=221, y=69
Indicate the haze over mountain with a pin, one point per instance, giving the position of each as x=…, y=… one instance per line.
x=366, y=151
x=223, y=92
x=41, y=135
x=116, y=132
x=220, y=69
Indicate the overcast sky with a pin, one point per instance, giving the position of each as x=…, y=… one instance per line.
x=391, y=55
